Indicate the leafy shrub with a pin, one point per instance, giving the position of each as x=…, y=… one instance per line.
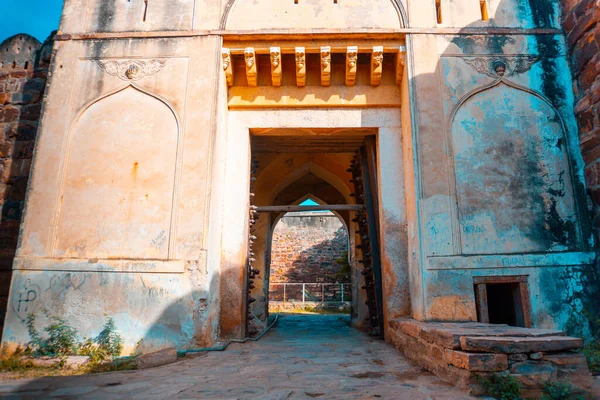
x=109, y=339
x=560, y=391
x=14, y=362
x=503, y=387
x=592, y=354
x=61, y=340
x=108, y=343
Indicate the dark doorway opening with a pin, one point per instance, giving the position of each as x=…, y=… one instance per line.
x=505, y=305
x=503, y=300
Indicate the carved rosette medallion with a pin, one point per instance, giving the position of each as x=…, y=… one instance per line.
x=501, y=67
x=131, y=70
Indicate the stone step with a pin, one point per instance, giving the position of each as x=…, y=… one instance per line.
x=512, y=345
x=448, y=334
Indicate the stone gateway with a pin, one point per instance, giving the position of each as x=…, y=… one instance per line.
x=175, y=135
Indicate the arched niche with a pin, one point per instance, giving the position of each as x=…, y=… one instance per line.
x=313, y=14
x=513, y=179
x=119, y=181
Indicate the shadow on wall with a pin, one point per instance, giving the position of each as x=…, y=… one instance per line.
x=508, y=138
x=24, y=64
x=190, y=320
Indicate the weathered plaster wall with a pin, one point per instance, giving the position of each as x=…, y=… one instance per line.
x=305, y=248
x=23, y=72
x=501, y=133
x=119, y=197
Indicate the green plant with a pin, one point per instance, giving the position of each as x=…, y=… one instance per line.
x=61, y=340
x=108, y=343
x=560, y=391
x=592, y=354
x=503, y=387
x=343, y=273
x=13, y=362
x=109, y=339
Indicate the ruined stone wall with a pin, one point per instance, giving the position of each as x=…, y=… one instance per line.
x=581, y=21
x=305, y=249
x=23, y=73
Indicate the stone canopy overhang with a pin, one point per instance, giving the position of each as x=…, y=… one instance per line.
x=318, y=71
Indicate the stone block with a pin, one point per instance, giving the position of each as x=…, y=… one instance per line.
x=533, y=373
x=156, y=359
x=536, y=356
x=73, y=362
x=517, y=357
x=512, y=345
x=31, y=113
x=564, y=359
x=9, y=114
x=477, y=362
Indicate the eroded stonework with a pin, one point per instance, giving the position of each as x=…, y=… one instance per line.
x=443, y=133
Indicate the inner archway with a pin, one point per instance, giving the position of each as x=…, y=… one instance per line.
x=310, y=268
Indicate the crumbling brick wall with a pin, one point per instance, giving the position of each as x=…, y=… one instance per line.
x=581, y=21
x=305, y=248
x=24, y=63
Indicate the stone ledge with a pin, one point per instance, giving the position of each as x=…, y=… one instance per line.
x=477, y=362
x=448, y=334
x=512, y=345
x=534, y=359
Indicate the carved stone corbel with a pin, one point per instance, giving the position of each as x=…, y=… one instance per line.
x=300, y=66
x=251, y=67
x=400, y=63
x=227, y=66
x=376, y=65
x=351, y=65
x=325, y=65
x=276, y=66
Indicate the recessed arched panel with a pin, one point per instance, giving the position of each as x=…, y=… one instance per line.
x=313, y=14
x=513, y=179
x=120, y=177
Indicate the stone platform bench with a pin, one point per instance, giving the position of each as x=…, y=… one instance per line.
x=459, y=352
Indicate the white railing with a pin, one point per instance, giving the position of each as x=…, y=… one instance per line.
x=310, y=292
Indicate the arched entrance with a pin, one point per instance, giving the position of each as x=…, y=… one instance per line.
x=310, y=263
x=326, y=165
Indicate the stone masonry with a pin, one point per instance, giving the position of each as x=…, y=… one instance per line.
x=305, y=249
x=462, y=353
x=581, y=21
x=24, y=63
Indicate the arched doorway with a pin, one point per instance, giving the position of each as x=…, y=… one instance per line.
x=310, y=265
x=286, y=171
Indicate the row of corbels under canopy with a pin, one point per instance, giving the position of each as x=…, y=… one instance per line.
x=377, y=54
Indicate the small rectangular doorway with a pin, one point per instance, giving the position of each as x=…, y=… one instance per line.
x=503, y=300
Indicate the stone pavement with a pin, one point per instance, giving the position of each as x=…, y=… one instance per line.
x=302, y=357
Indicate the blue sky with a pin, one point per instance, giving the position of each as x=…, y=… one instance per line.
x=35, y=17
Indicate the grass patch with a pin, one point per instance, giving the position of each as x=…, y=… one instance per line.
x=561, y=391
x=503, y=387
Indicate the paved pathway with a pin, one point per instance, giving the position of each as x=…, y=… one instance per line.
x=302, y=357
